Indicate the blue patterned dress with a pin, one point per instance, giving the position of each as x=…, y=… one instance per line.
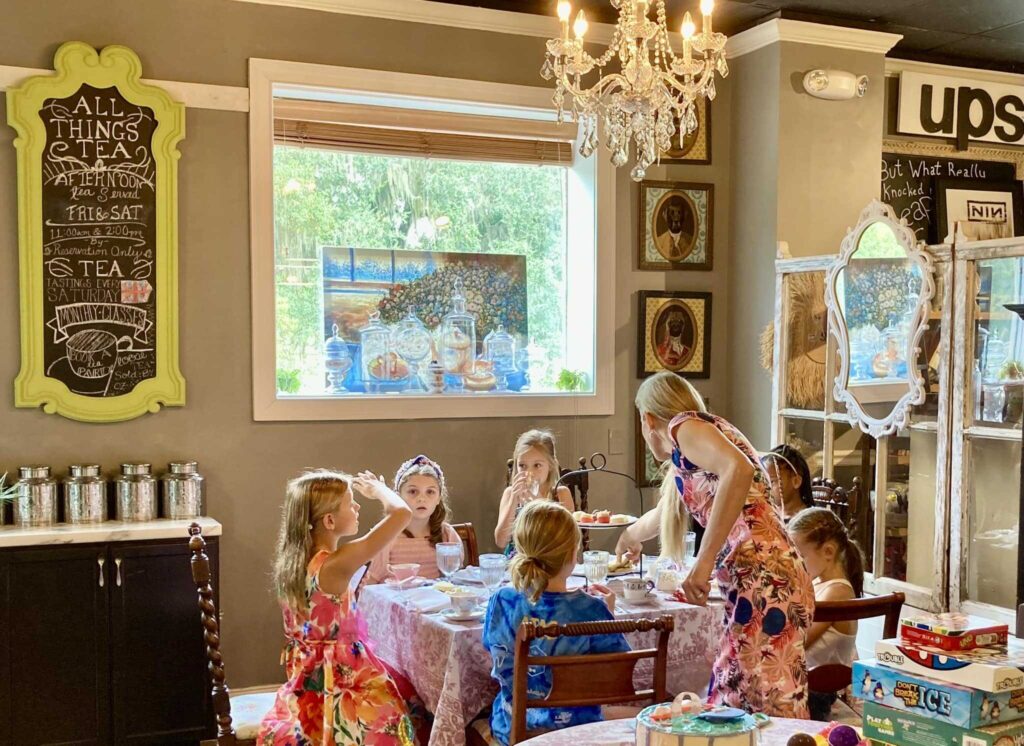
x=507, y=608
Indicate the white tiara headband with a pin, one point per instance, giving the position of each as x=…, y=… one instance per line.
x=420, y=460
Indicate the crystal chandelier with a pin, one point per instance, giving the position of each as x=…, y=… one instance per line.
x=654, y=92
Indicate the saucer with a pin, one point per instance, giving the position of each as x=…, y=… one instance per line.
x=454, y=615
x=648, y=599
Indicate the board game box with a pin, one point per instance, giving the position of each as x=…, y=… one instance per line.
x=952, y=631
x=939, y=700
x=888, y=726
x=998, y=669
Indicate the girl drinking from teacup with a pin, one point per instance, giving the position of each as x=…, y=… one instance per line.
x=546, y=540
x=420, y=482
x=535, y=471
x=337, y=691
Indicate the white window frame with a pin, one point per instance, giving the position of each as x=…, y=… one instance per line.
x=591, y=177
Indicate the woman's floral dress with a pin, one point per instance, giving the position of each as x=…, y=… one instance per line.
x=338, y=692
x=769, y=598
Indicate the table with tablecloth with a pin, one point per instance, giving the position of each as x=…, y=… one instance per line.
x=623, y=733
x=447, y=664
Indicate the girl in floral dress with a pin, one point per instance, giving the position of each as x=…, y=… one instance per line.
x=769, y=599
x=338, y=693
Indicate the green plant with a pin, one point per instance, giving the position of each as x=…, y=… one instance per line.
x=571, y=380
x=1012, y=370
x=7, y=493
x=288, y=381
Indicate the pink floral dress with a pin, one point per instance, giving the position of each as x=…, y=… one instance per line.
x=769, y=598
x=338, y=692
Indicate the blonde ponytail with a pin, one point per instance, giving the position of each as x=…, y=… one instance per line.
x=664, y=395
x=546, y=538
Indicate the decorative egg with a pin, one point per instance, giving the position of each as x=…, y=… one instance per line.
x=801, y=739
x=843, y=735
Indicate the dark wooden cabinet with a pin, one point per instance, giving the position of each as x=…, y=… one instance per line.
x=101, y=644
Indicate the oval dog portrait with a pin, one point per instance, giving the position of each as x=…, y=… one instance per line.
x=674, y=226
x=673, y=335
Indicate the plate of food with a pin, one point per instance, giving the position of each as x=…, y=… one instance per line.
x=616, y=568
x=603, y=519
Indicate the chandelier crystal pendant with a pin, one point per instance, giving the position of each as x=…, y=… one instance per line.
x=651, y=96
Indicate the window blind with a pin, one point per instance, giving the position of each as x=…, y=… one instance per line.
x=432, y=134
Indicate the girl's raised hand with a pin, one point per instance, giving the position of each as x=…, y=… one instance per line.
x=368, y=484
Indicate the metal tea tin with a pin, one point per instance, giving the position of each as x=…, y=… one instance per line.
x=85, y=494
x=135, y=493
x=182, y=491
x=36, y=502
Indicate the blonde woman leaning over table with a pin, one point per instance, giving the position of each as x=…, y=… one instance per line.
x=769, y=600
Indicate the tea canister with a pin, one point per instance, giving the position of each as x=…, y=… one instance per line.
x=85, y=494
x=183, y=491
x=36, y=501
x=135, y=498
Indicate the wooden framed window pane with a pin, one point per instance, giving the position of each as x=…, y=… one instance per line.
x=853, y=456
x=806, y=335
x=807, y=437
x=996, y=372
x=993, y=494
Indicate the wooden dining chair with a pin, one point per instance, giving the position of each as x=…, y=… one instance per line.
x=832, y=678
x=241, y=731
x=586, y=680
x=467, y=533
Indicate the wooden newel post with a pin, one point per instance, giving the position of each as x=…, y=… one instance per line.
x=1018, y=308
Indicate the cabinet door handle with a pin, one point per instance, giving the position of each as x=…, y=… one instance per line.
x=117, y=563
x=101, y=561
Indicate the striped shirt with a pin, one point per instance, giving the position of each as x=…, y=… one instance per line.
x=404, y=549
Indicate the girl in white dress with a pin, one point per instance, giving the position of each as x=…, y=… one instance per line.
x=837, y=565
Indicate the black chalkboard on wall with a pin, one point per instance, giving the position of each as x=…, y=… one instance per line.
x=99, y=233
x=908, y=185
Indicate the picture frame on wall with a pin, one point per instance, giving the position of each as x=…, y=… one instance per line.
x=695, y=148
x=647, y=470
x=984, y=209
x=674, y=333
x=676, y=226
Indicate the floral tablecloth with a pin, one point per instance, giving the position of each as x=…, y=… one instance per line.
x=447, y=664
x=623, y=733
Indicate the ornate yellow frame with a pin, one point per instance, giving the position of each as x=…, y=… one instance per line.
x=75, y=64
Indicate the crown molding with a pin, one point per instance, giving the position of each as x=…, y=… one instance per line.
x=444, y=14
x=193, y=95
x=804, y=32
x=895, y=66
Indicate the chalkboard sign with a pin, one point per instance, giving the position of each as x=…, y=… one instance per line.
x=908, y=186
x=97, y=185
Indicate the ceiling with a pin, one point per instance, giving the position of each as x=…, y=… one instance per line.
x=974, y=33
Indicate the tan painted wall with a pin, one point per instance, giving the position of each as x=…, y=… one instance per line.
x=246, y=464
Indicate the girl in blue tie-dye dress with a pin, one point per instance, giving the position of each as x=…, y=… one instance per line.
x=546, y=540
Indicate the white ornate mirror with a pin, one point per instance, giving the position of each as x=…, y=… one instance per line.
x=878, y=294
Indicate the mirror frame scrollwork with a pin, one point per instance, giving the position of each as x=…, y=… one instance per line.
x=898, y=417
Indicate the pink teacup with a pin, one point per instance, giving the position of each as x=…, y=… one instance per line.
x=404, y=571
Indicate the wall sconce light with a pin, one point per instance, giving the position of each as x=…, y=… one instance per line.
x=835, y=85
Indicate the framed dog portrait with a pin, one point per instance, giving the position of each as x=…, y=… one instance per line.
x=695, y=147
x=674, y=333
x=676, y=230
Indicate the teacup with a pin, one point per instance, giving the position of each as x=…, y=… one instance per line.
x=669, y=580
x=636, y=589
x=404, y=571
x=464, y=601
x=92, y=353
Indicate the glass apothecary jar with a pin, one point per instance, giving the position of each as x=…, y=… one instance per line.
x=412, y=342
x=458, y=340
x=381, y=365
x=337, y=362
x=500, y=351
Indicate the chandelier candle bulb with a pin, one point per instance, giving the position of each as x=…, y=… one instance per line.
x=580, y=26
x=706, y=8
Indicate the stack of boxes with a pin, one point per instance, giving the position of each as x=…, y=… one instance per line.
x=947, y=680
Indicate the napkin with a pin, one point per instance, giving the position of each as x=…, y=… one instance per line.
x=426, y=600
